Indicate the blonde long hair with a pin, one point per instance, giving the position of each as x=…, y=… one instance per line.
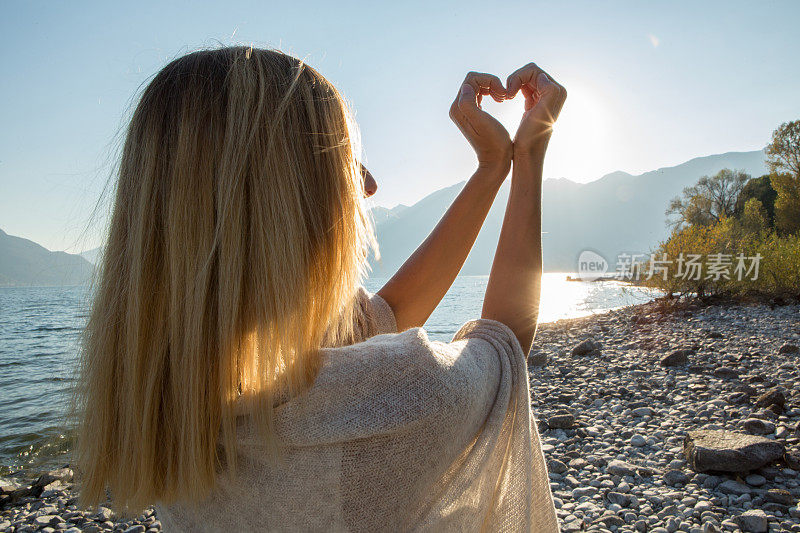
x=237, y=242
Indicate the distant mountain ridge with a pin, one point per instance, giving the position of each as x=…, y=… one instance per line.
x=382, y=214
x=93, y=255
x=618, y=213
x=614, y=214
x=25, y=263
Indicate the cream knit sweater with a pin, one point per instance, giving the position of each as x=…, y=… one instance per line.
x=398, y=433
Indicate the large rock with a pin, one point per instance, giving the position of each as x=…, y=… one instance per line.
x=586, y=347
x=623, y=500
x=677, y=357
x=731, y=486
x=621, y=468
x=773, y=396
x=609, y=519
x=7, y=486
x=756, y=426
x=556, y=467
x=781, y=496
x=789, y=348
x=675, y=477
x=792, y=458
x=103, y=514
x=754, y=521
x=536, y=358
x=638, y=440
x=62, y=474
x=561, y=420
x=728, y=451
x=725, y=372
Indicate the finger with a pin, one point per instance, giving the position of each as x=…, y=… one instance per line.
x=486, y=84
x=522, y=76
x=526, y=75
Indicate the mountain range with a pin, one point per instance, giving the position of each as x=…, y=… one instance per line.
x=25, y=263
x=618, y=213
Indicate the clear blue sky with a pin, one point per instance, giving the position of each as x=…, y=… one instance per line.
x=651, y=84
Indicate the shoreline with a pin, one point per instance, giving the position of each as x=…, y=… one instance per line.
x=614, y=419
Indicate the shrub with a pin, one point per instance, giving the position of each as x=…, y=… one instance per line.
x=738, y=247
x=787, y=203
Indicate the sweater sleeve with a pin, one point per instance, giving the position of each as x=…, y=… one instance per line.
x=523, y=488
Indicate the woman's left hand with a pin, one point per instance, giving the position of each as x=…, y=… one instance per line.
x=488, y=137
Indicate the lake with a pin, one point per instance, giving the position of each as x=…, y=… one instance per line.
x=560, y=299
x=40, y=329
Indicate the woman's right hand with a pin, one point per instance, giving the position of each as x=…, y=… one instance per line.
x=488, y=137
x=544, y=99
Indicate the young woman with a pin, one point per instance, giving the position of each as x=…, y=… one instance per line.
x=235, y=373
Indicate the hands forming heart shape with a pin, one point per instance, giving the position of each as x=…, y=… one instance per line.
x=544, y=98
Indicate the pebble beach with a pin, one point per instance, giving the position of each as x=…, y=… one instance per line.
x=652, y=420
x=672, y=421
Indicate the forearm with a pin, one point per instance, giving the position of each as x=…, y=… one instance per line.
x=512, y=295
x=423, y=280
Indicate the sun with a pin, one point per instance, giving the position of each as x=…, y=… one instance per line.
x=586, y=140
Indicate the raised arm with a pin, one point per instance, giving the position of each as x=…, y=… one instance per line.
x=419, y=285
x=512, y=295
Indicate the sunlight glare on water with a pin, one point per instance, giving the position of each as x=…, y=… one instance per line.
x=559, y=299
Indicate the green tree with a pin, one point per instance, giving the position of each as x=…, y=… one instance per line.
x=710, y=200
x=783, y=157
x=787, y=203
x=783, y=152
x=760, y=189
x=754, y=216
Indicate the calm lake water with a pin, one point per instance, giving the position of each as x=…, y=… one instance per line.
x=40, y=329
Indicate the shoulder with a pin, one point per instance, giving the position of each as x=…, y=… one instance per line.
x=397, y=382
x=477, y=348
x=387, y=359
x=410, y=367
x=403, y=355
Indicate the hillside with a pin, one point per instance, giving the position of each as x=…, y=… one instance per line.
x=616, y=213
x=93, y=255
x=25, y=263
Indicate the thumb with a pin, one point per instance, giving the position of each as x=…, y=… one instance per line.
x=543, y=83
x=466, y=99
